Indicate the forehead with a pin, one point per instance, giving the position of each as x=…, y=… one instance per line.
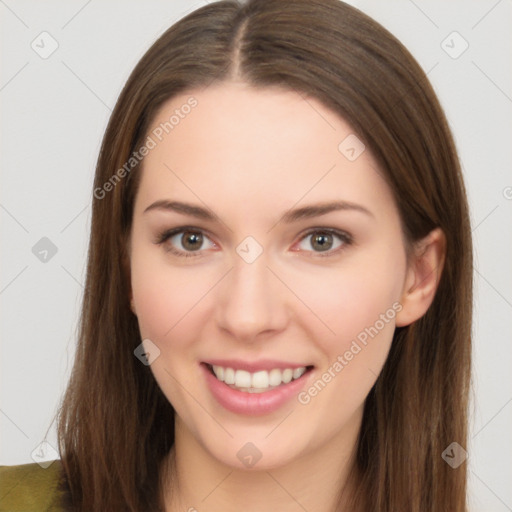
x=265, y=146
x=242, y=122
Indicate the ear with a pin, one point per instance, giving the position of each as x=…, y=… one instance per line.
x=423, y=275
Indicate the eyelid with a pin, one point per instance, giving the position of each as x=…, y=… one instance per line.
x=168, y=233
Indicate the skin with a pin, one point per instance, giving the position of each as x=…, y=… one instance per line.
x=249, y=156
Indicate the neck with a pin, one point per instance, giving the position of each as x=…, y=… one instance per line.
x=316, y=481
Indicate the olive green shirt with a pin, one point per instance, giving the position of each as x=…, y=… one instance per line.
x=31, y=488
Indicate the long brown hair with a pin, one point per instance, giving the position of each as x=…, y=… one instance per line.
x=115, y=425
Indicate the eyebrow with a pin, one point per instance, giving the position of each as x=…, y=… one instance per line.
x=305, y=212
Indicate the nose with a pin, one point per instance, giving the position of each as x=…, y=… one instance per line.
x=251, y=304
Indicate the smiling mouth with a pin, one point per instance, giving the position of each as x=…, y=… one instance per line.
x=257, y=382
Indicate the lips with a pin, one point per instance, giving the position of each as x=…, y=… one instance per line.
x=253, y=388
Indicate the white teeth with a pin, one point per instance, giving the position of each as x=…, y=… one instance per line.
x=298, y=372
x=242, y=379
x=229, y=376
x=287, y=375
x=274, y=377
x=258, y=381
x=219, y=371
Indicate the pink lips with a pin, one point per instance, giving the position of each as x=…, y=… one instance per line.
x=253, y=404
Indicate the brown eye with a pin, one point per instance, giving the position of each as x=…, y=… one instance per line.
x=325, y=242
x=185, y=242
x=321, y=241
x=191, y=240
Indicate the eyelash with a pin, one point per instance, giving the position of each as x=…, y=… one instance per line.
x=342, y=235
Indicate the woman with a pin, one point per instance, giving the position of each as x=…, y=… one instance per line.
x=277, y=311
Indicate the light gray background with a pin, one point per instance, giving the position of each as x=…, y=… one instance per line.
x=54, y=113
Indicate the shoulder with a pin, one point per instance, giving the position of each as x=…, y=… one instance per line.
x=30, y=487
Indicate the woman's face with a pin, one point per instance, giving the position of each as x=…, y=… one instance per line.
x=265, y=244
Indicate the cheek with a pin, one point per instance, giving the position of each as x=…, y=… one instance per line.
x=159, y=294
x=362, y=315
x=169, y=301
x=360, y=304
x=353, y=301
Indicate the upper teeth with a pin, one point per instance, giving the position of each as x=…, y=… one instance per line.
x=257, y=380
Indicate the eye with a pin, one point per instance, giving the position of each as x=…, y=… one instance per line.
x=185, y=242
x=325, y=241
x=190, y=242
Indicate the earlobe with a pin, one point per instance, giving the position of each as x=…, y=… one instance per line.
x=423, y=277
